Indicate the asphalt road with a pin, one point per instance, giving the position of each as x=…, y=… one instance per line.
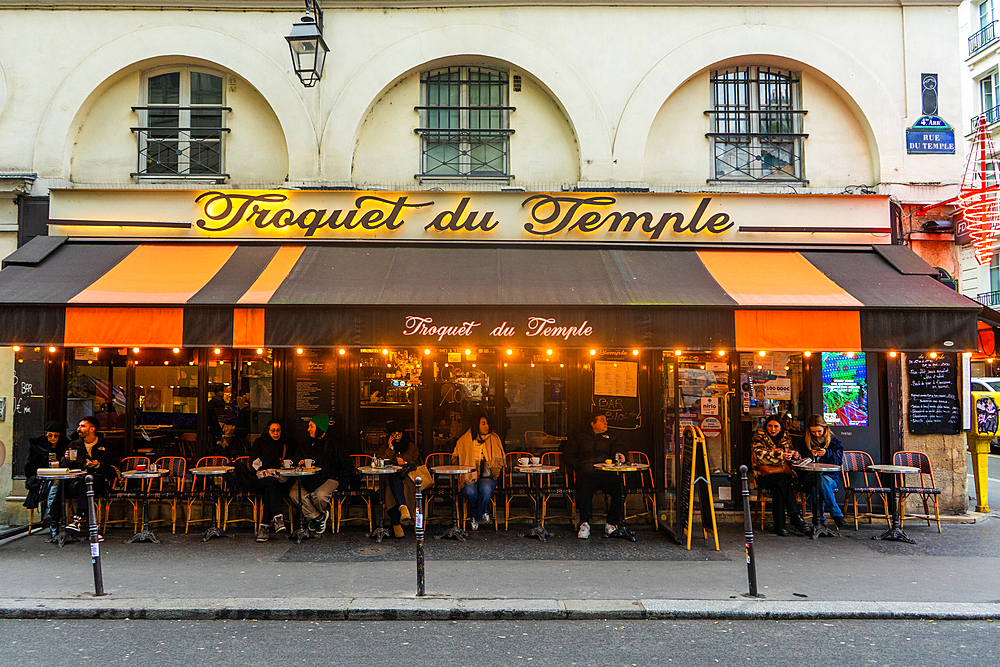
x=564, y=643
x=994, y=483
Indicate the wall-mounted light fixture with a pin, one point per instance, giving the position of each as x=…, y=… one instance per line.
x=307, y=45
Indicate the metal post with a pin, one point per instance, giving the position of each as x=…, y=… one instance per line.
x=748, y=534
x=418, y=525
x=95, y=546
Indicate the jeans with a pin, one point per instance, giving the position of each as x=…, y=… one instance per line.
x=827, y=499
x=394, y=483
x=316, y=502
x=478, y=495
x=51, y=503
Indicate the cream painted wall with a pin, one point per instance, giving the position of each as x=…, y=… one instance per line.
x=610, y=85
x=6, y=427
x=388, y=150
x=105, y=149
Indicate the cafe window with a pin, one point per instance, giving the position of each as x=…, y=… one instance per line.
x=182, y=124
x=536, y=402
x=465, y=388
x=756, y=124
x=390, y=379
x=166, y=402
x=771, y=384
x=96, y=387
x=239, y=398
x=464, y=123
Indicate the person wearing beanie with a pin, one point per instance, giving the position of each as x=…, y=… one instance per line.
x=44, y=494
x=313, y=492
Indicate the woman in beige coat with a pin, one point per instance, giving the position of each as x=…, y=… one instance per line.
x=478, y=446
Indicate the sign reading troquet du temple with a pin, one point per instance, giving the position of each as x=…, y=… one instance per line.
x=319, y=215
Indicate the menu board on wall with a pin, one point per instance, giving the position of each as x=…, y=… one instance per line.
x=27, y=406
x=616, y=391
x=933, y=406
x=315, y=384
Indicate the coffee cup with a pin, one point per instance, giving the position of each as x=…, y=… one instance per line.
x=287, y=463
x=524, y=460
x=140, y=467
x=536, y=461
x=608, y=462
x=153, y=468
x=53, y=464
x=308, y=463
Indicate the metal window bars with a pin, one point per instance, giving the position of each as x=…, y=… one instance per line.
x=983, y=38
x=464, y=123
x=167, y=149
x=757, y=128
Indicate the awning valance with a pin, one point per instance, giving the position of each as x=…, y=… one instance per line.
x=82, y=292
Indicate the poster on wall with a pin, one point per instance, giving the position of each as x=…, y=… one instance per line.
x=616, y=391
x=845, y=389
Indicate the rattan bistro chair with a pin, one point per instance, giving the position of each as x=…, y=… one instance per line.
x=122, y=488
x=557, y=484
x=856, y=464
x=514, y=484
x=925, y=491
x=171, y=485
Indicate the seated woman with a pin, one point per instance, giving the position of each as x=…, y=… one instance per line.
x=44, y=494
x=825, y=448
x=401, y=452
x=482, y=450
x=266, y=455
x=772, y=451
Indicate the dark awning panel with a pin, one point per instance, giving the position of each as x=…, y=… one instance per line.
x=252, y=295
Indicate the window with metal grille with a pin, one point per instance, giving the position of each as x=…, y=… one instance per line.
x=182, y=125
x=464, y=123
x=756, y=123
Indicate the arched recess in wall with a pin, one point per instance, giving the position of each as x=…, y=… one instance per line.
x=877, y=113
x=62, y=117
x=389, y=153
x=566, y=87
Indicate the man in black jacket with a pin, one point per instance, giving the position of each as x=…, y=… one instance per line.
x=87, y=453
x=44, y=494
x=584, y=448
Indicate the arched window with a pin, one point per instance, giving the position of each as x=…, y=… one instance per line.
x=182, y=124
x=756, y=125
x=464, y=123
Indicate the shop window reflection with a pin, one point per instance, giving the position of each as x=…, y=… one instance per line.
x=96, y=386
x=464, y=388
x=166, y=401
x=239, y=399
x=388, y=392
x=536, y=392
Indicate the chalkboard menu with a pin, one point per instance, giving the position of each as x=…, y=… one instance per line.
x=315, y=386
x=934, y=401
x=616, y=391
x=27, y=405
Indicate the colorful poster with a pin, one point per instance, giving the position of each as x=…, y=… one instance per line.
x=845, y=389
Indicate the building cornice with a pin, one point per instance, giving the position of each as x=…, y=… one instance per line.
x=298, y=5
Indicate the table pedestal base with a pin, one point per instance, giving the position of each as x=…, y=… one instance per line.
x=537, y=531
x=144, y=535
x=821, y=530
x=214, y=531
x=62, y=537
x=622, y=532
x=894, y=534
x=380, y=533
x=300, y=534
x=453, y=533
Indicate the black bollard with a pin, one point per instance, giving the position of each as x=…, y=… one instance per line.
x=95, y=546
x=418, y=525
x=748, y=534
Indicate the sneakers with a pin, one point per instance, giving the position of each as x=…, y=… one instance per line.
x=278, y=522
x=486, y=519
x=320, y=523
x=74, y=526
x=397, y=531
x=584, y=531
x=404, y=513
x=262, y=533
x=609, y=528
x=475, y=524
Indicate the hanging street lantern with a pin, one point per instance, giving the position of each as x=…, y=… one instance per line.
x=307, y=46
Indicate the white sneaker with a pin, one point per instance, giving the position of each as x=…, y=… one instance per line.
x=584, y=531
x=475, y=524
x=609, y=528
x=486, y=519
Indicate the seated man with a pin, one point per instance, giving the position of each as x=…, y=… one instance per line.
x=587, y=446
x=87, y=453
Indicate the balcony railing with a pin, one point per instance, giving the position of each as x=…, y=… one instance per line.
x=989, y=298
x=991, y=116
x=982, y=38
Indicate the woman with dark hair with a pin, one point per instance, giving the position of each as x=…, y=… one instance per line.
x=266, y=455
x=825, y=448
x=772, y=453
x=400, y=451
x=481, y=449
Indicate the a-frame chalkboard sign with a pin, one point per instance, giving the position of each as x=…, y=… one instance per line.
x=694, y=472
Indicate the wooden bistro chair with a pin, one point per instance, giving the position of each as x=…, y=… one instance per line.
x=513, y=485
x=238, y=497
x=171, y=485
x=364, y=492
x=557, y=484
x=857, y=463
x=641, y=484
x=121, y=488
x=926, y=488
x=199, y=490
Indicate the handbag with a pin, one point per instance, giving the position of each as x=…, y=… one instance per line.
x=485, y=472
x=426, y=479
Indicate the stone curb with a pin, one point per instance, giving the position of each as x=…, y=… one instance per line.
x=451, y=609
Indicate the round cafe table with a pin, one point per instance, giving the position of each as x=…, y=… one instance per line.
x=895, y=532
x=144, y=534
x=61, y=475
x=819, y=526
x=622, y=531
x=300, y=533
x=380, y=530
x=213, y=471
x=535, y=473
x=455, y=532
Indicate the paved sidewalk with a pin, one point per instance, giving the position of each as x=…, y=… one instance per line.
x=501, y=575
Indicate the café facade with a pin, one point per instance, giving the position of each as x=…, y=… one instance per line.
x=186, y=319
